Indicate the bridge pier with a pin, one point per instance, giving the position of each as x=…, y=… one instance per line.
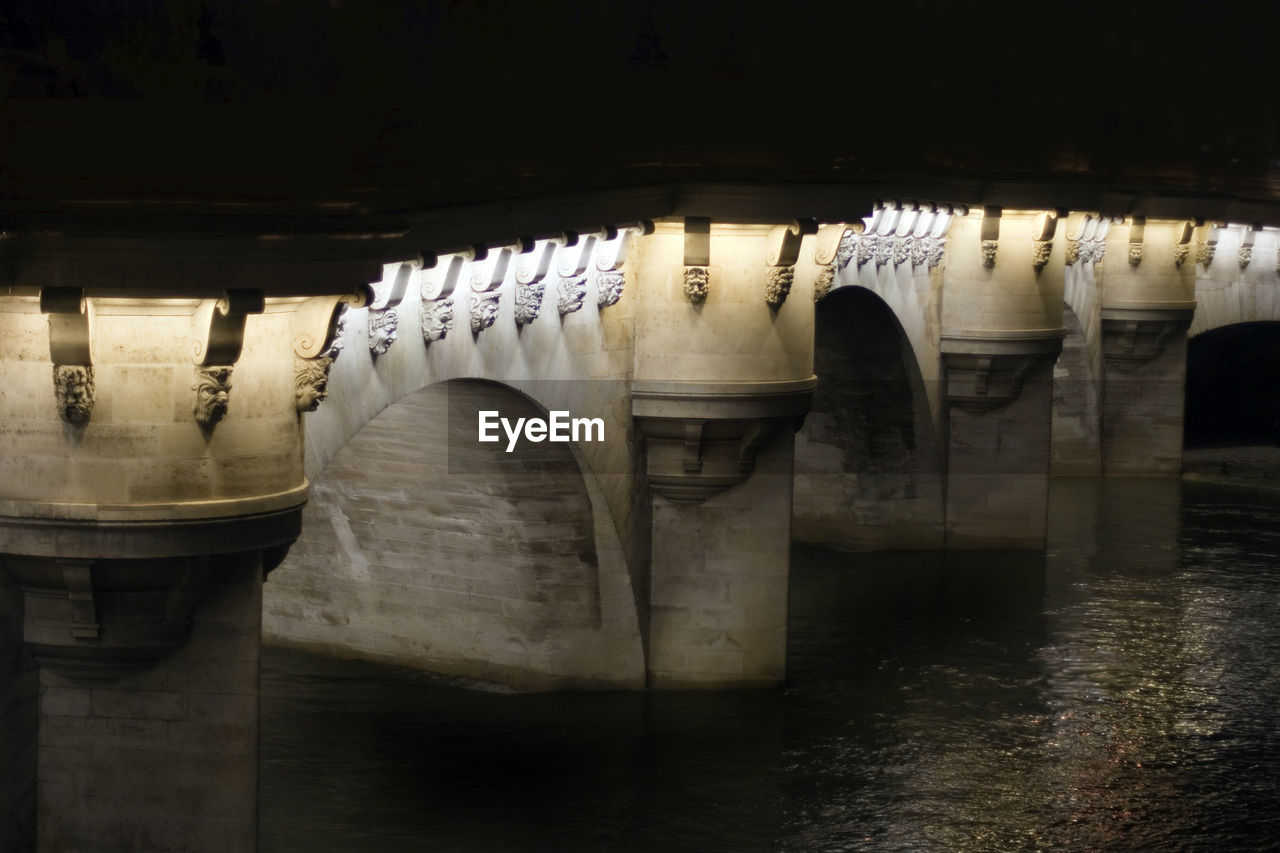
x=151, y=475
x=723, y=380
x=1001, y=332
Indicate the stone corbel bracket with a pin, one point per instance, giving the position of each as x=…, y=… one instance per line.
x=437, y=293
x=70, y=350
x=990, y=235
x=701, y=438
x=1136, y=333
x=1207, y=245
x=531, y=275
x=384, y=320
x=219, y=338
x=1182, y=244
x=1042, y=239
x=1137, y=230
x=831, y=250
x=488, y=274
x=610, y=257
x=1244, y=253
x=697, y=258
x=316, y=342
x=986, y=369
x=780, y=260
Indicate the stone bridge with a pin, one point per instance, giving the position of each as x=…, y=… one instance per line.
x=185, y=414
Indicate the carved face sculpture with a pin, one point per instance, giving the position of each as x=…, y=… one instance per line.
x=311, y=383
x=484, y=311
x=437, y=319
x=382, y=330
x=572, y=293
x=213, y=387
x=73, y=388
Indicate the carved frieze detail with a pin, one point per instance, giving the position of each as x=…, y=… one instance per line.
x=73, y=392
x=383, y=329
x=989, y=253
x=609, y=286
x=1180, y=253
x=529, y=301
x=822, y=284
x=484, y=310
x=310, y=382
x=696, y=282
x=437, y=319
x=212, y=394
x=778, y=285
x=1040, y=252
x=1244, y=255
x=572, y=293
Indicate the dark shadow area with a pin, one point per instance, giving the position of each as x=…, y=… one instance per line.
x=1232, y=377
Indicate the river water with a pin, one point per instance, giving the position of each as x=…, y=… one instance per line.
x=1117, y=692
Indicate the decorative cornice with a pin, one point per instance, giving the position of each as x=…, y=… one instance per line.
x=212, y=394
x=609, y=285
x=484, y=310
x=437, y=319
x=778, y=285
x=73, y=392
x=572, y=293
x=310, y=382
x=384, y=327
x=697, y=281
x=529, y=301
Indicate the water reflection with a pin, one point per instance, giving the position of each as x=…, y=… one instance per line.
x=1114, y=692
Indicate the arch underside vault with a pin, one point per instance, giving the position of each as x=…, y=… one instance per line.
x=423, y=548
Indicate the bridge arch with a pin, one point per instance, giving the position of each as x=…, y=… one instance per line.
x=424, y=548
x=1232, y=374
x=869, y=464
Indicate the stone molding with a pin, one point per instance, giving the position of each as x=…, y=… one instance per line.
x=701, y=438
x=985, y=369
x=1136, y=333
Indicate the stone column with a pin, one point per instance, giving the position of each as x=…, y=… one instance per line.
x=1002, y=331
x=724, y=360
x=1148, y=303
